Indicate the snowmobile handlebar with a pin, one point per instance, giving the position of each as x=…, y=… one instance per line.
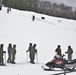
x=63, y=55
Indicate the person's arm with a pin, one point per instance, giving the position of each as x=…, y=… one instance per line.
x=67, y=51
x=56, y=50
x=72, y=50
x=28, y=50
x=35, y=50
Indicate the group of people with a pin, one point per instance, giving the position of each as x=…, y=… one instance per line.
x=32, y=51
x=69, y=52
x=11, y=53
x=8, y=10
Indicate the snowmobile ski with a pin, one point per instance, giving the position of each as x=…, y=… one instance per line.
x=65, y=72
x=45, y=68
x=49, y=69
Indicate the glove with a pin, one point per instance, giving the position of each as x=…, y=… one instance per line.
x=63, y=55
x=36, y=51
x=26, y=51
x=66, y=52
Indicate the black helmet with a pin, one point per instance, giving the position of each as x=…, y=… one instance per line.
x=30, y=43
x=69, y=46
x=59, y=46
x=14, y=45
x=2, y=45
x=35, y=45
x=10, y=44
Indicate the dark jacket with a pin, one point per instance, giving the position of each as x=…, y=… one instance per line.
x=58, y=51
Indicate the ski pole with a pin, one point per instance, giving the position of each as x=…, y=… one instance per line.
x=66, y=55
x=5, y=57
x=72, y=56
x=27, y=56
x=37, y=61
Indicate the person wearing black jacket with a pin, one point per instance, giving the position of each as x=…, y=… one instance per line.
x=58, y=51
x=13, y=54
x=9, y=53
x=1, y=55
x=32, y=51
x=69, y=52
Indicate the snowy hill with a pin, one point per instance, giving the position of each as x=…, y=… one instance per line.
x=18, y=28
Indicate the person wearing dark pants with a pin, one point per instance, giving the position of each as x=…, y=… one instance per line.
x=32, y=51
x=9, y=53
x=13, y=54
x=69, y=52
x=1, y=55
x=58, y=51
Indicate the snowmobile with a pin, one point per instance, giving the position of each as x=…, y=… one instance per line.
x=60, y=62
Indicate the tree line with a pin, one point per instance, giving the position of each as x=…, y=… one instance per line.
x=44, y=7
x=29, y=5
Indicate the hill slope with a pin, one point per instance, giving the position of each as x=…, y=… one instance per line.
x=17, y=27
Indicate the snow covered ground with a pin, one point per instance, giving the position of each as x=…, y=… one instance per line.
x=18, y=28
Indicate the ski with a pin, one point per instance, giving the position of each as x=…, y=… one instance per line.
x=64, y=72
x=47, y=69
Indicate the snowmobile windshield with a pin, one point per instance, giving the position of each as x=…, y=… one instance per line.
x=56, y=57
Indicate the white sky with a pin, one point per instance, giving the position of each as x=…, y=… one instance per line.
x=66, y=2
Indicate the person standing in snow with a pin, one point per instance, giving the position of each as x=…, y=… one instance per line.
x=8, y=10
x=1, y=55
x=29, y=49
x=58, y=51
x=0, y=5
x=9, y=53
x=70, y=52
x=32, y=51
x=13, y=54
x=33, y=17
